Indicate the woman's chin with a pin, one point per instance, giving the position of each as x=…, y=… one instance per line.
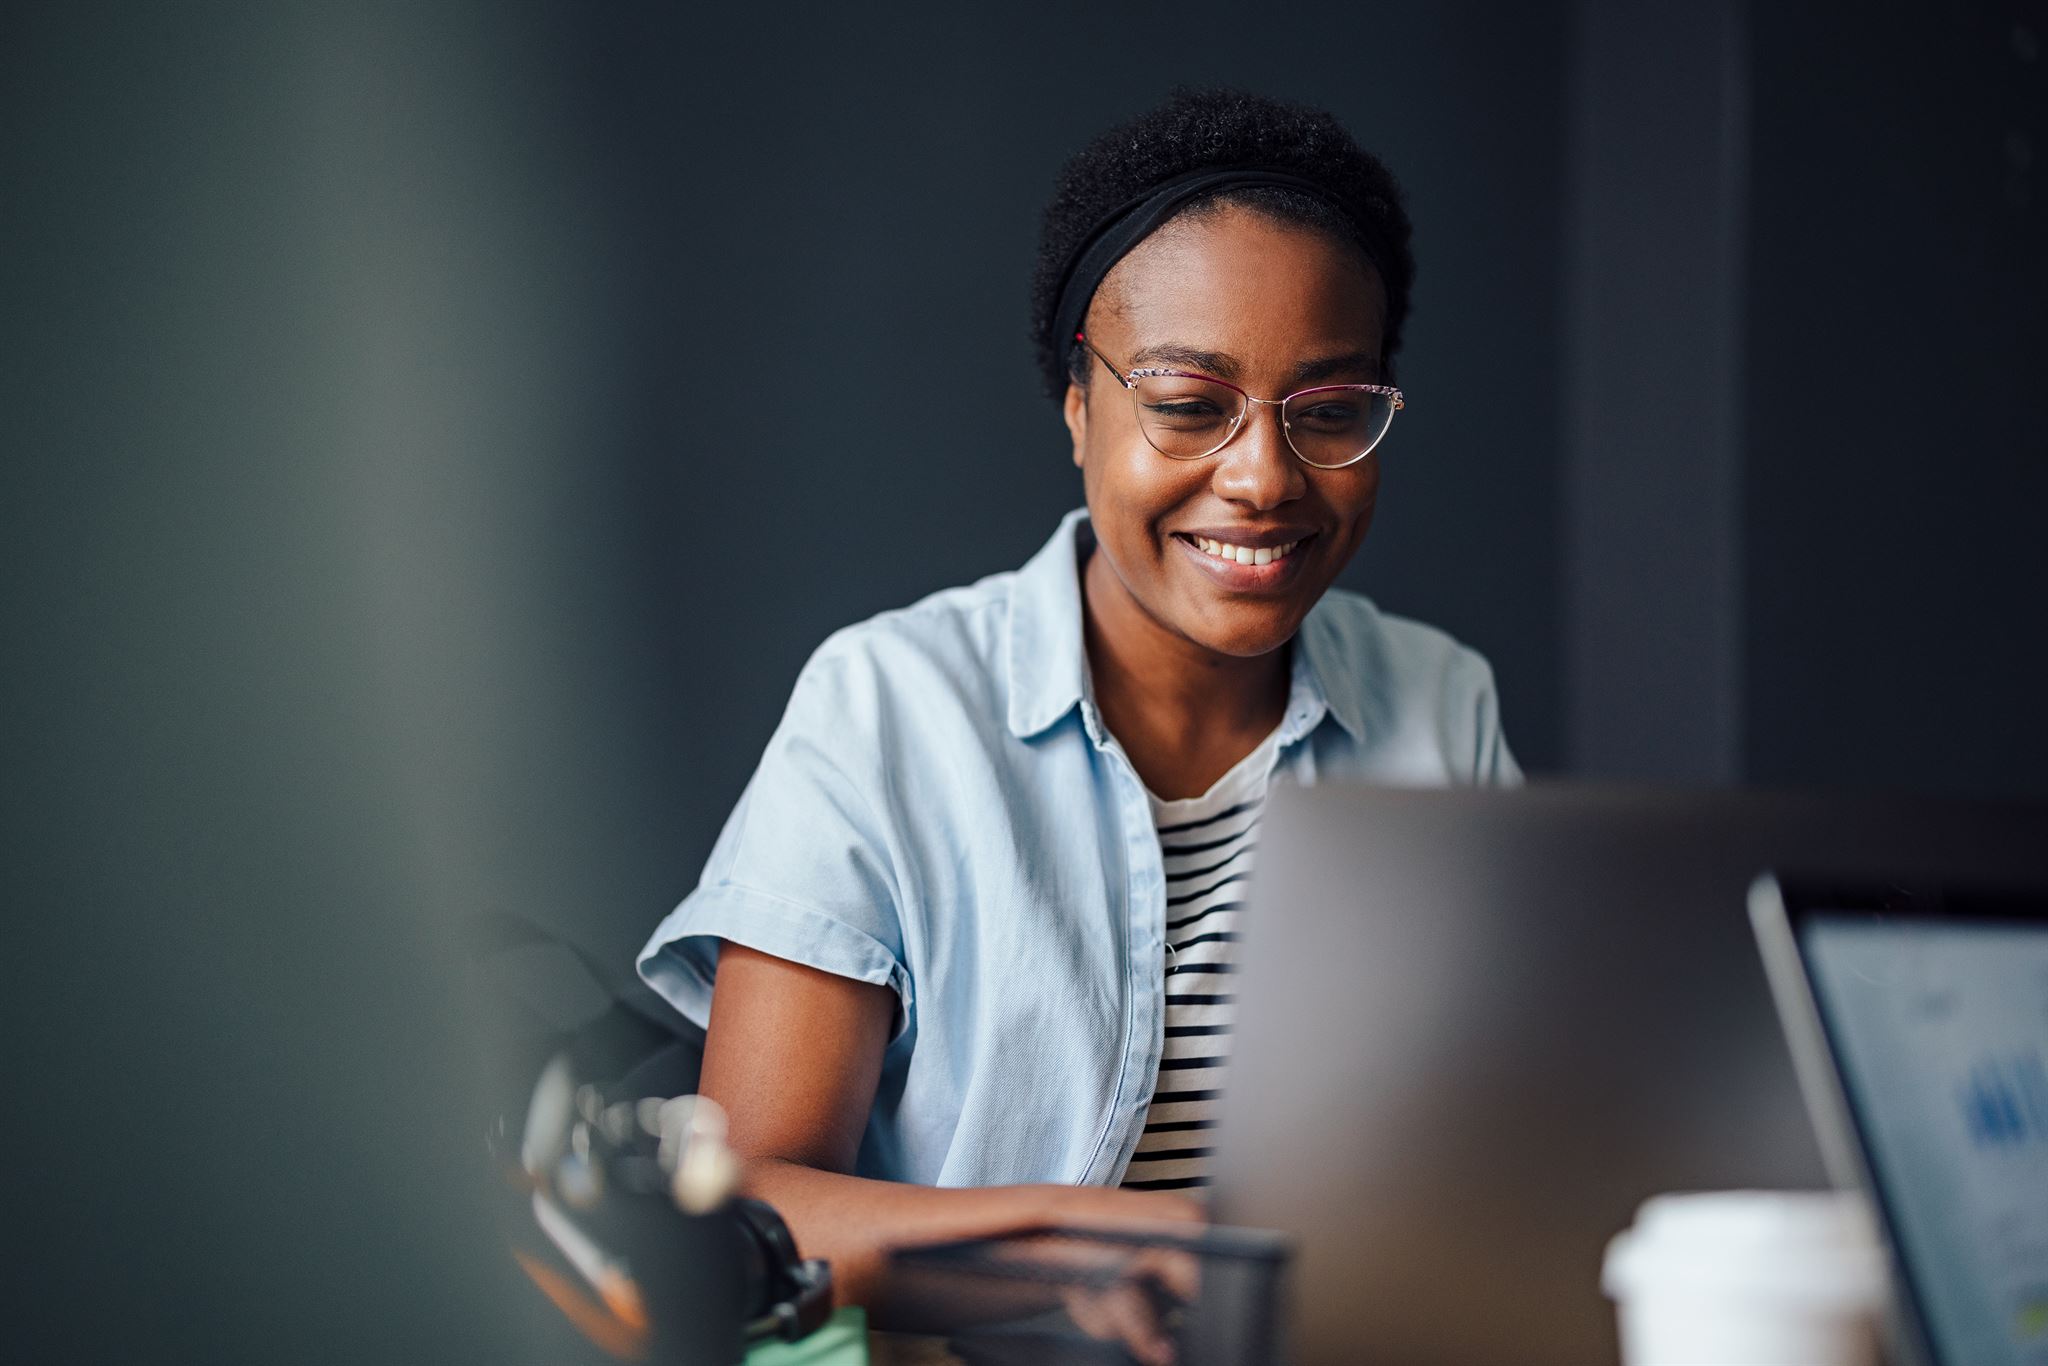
x=1245, y=639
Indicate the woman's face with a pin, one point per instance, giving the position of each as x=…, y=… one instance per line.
x=1272, y=308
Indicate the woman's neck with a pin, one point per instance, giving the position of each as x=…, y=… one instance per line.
x=1184, y=715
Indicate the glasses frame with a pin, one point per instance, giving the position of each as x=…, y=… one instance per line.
x=1129, y=381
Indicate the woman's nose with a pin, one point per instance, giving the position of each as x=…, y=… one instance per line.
x=1256, y=466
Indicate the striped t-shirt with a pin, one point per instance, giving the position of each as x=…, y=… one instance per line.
x=1207, y=844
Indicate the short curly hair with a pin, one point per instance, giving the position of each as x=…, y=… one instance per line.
x=1199, y=128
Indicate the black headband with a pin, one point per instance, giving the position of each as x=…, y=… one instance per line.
x=1136, y=219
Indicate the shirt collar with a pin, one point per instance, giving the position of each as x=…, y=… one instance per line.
x=1047, y=663
x=1046, y=660
x=1325, y=683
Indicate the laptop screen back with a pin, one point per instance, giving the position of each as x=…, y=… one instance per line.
x=1939, y=1031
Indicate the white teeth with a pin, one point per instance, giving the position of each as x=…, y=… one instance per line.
x=1243, y=554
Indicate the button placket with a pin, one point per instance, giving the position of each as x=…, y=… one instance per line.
x=1144, y=892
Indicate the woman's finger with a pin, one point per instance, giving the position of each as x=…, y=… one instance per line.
x=1177, y=1272
x=1123, y=1313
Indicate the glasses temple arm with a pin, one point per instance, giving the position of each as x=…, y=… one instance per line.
x=1122, y=380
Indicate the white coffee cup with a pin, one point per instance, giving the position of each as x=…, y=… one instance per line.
x=1748, y=1278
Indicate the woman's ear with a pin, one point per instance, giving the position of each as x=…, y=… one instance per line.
x=1075, y=410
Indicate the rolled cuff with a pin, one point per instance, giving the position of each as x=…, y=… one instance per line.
x=680, y=960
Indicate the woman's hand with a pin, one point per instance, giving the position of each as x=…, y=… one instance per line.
x=1152, y=1284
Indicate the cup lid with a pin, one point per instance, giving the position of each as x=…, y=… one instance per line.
x=1818, y=1246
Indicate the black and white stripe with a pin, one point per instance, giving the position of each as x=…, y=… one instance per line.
x=1207, y=844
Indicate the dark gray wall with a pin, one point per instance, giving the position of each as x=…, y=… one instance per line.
x=1806, y=437
x=1651, y=519
x=1897, y=568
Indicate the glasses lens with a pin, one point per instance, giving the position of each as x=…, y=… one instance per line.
x=1187, y=417
x=1337, y=425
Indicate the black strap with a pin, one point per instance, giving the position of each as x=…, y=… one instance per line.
x=1139, y=217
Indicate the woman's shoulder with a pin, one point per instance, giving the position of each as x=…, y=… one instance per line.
x=1398, y=650
x=939, y=656
x=947, y=631
x=1408, y=688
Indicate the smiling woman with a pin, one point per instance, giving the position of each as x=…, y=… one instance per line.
x=972, y=924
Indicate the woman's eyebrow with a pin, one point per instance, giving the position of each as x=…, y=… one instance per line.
x=1330, y=367
x=1224, y=366
x=1187, y=358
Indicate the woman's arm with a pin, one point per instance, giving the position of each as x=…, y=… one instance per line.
x=794, y=1055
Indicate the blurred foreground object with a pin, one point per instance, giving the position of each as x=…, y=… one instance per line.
x=1479, y=1029
x=1073, y=1296
x=626, y=1213
x=1768, y=1278
x=1918, y=1018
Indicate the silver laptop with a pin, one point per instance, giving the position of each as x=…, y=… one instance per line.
x=1477, y=1029
x=1918, y=1018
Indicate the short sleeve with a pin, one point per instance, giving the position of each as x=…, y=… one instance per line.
x=805, y=868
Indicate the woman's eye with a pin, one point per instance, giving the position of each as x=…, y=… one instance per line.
x=1183, y=411
x=1329, y=416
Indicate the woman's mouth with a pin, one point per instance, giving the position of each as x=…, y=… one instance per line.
x=1246, y=568
x=1242, y=554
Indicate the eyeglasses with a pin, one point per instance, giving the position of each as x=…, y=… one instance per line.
x=1188, y=416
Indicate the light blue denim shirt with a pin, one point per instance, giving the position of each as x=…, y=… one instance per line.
x=942, y=812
